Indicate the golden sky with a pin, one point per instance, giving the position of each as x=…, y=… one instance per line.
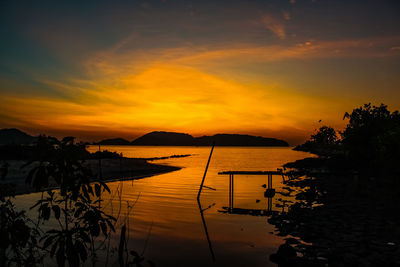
x=249, y=69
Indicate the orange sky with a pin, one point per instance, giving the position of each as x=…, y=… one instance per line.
x=271, y=80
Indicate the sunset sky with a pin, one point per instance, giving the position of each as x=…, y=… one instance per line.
x=102, y=69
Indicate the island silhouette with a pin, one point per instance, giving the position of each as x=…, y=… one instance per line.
x=161, y=138
x=158, y=138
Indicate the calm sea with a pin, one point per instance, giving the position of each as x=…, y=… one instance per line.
x=164, y=216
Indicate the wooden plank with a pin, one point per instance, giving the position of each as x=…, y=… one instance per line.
x=251, y=172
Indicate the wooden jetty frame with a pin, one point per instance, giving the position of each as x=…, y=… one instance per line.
x=231, y=181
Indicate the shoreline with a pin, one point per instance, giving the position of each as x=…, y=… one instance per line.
x=112, y=170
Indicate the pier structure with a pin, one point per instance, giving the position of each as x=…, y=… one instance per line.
x=269, y=193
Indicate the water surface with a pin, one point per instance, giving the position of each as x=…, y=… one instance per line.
x=164, y=216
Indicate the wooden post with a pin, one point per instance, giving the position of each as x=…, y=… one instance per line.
x=269, y=181
x=205, y=230
x=100, y=176
x=232, y=189
x=205, y=171
x=269, y=207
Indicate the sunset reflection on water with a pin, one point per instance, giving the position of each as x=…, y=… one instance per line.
x=163, y=216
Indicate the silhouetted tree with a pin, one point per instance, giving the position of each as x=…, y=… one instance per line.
x=370, y=142
x=324, y=142
x=372, y=137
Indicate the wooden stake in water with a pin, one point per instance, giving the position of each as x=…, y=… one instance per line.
x=205, y=171
x=100, y=176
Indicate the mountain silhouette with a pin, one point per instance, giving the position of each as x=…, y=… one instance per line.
x=159, y=138
x=164, y=139
x=15, y=136
x=182, y=139
x=238, y=140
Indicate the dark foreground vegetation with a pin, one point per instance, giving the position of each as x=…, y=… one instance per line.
x=347, y=214
x=80, y=230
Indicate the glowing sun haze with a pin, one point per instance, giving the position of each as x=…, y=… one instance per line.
x=121, y=69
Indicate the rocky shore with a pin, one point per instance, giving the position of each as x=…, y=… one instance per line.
x=340, y=220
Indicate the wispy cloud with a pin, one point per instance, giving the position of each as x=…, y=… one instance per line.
x=274, y=24
x=177, y=89
x=114, y=61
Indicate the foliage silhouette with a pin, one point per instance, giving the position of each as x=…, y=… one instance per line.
x=372, y=138
x=356, y=189
x=76, y=207
x=324, y=142
x=370, y=143
x=18, y=234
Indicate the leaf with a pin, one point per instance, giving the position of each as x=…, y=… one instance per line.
x=95, y=229
x=50, y=193
x=56, y=210
x=104, y=228
x=85, y=237
x=85, y=192
x=97, y=190
x=73, y=256
x=48, y=241
x=90, y=189
x=81, y=249
x=46, y=213
x=105, y=186
x=78, y=212
x=60, y=256
x=111, y=217
x=110, y=225
x=53, y=249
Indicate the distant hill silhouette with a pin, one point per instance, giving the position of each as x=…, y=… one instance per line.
x=238, y=140
x=114, y=141
x=159, y=138
x=181, y=139
x=15, y=136
x=164, y=139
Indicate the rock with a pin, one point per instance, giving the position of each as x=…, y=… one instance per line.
x=285, y=255
x=270, y=192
